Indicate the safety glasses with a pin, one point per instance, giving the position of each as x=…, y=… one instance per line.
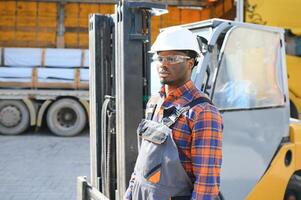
x=172, y=59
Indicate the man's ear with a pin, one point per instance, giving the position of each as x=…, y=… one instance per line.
x=191, y=63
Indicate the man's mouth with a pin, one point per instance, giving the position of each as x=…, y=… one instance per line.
x=162, y=71
x=163, y=74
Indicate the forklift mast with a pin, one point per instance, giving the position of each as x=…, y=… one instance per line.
x=119, y=89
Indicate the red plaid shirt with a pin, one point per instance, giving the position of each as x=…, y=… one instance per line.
x=198, y=136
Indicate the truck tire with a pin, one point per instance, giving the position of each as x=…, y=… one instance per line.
x=66, y=117
x=14, y=117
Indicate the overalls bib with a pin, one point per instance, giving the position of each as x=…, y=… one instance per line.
x=159, y=174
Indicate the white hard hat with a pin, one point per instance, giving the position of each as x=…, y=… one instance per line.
x=176, y=38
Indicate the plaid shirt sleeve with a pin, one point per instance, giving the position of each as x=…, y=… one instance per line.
x=206, y=152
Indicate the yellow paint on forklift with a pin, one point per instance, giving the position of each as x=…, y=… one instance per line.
x=295, y=137
x=274, y=182
x=294, y=70
x=276, y=12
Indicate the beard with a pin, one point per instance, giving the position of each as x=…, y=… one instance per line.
x=166, y=82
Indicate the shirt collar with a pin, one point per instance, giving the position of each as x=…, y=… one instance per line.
x=180, y=91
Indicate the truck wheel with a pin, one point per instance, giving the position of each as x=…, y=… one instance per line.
x=66, y=117
x=14, y=117
x=293, y=190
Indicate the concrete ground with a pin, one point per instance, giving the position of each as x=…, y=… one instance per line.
x=41, y=166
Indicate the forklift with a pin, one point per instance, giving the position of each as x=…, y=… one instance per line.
x=242, y=70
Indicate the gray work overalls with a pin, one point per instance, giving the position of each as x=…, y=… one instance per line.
x=159, y=174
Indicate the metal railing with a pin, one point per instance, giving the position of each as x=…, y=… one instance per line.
x=87, y=192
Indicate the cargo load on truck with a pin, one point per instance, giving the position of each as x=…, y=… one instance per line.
x=38, y=83
x=44, y=68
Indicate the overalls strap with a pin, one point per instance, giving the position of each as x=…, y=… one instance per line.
x=171, y=119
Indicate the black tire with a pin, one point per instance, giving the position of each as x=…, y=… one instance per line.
x=14, y=117
x=66, y=117
x=293, y=189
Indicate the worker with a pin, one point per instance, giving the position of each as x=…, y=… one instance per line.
x=181, y=149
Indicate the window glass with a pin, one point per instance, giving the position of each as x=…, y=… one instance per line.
x=248, y=76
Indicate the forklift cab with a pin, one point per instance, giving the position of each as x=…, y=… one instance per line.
x=243, y=72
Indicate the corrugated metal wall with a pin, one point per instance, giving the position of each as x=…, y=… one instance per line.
x=52, y=24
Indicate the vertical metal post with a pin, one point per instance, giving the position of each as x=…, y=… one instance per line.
x=239, y=10
x=125, y=77
x=101, y=62
x=81, y=185
x=132, y=74
x=129, y=95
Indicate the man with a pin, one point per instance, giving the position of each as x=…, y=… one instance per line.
x=181, y=151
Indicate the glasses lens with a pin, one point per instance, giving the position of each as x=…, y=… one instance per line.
x=172, y=59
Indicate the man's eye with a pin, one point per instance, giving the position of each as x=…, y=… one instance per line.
x=160, y=59
x=170, y=59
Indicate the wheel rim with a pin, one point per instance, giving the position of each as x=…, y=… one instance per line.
x=10, y=116
x=66, y=117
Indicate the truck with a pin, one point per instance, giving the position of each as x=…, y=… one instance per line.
x=285, y=14
x=44, y=84
x=245, y=78
x=44, y=69
x=44, y=65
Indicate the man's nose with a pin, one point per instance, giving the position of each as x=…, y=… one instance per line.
x=164, y=63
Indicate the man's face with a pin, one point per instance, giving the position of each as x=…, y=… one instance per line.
x=174, y=74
